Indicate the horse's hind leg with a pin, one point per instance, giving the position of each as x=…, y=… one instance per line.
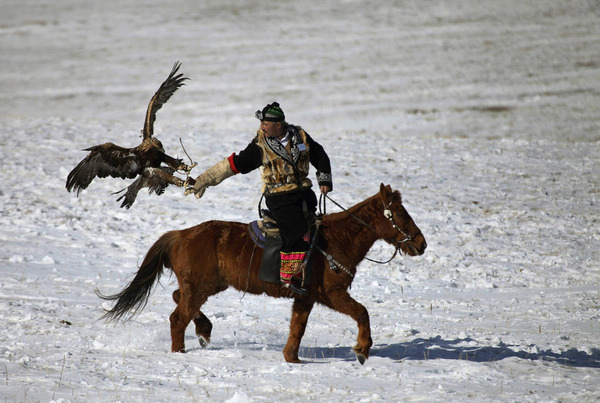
x=300, y=312
x=342, y=302
x=203, y=328
x=201, y=322
x=188, y=307
x=180, y=318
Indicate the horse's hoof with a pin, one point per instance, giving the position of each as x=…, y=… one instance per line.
x=203, y=341
x=361, y=356
x=292, y=358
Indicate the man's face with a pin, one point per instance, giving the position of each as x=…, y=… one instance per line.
x=271, y=129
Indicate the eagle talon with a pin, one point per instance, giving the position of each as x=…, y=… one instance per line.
x=186, y=168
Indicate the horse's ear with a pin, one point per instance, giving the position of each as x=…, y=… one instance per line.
x=385, y=188
x=385, y=191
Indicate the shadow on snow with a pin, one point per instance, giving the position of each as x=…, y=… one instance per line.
x=438, y=348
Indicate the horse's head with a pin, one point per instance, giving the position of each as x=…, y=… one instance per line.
x=398, y=227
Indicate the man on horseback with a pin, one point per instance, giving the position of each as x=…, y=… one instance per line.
x=282, y=152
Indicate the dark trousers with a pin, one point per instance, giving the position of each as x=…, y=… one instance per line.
x=289, y=212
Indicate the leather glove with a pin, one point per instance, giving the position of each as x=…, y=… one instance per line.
x=211, y=177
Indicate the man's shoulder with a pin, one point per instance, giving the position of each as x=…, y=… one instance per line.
x=260, y=136
x=298, y=130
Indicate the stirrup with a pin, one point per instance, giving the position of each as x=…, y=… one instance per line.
x=296, y=288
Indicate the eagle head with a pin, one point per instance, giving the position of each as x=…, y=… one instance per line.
x=152, y=143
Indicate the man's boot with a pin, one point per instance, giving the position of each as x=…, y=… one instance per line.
x=292, y=271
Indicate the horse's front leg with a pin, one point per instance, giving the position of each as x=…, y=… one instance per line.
x=300, y=312
x=342, y=302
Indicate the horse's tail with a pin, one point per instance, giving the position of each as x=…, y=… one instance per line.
x=135, y=296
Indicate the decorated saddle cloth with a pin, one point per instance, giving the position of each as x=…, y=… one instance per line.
x=265, y=234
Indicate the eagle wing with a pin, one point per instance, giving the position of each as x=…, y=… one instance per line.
x=104, y=160
x=149, y=180
x=164, y=93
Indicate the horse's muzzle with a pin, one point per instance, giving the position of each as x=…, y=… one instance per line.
x=415, y=246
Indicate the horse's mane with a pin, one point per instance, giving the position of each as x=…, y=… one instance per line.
x=342, y=215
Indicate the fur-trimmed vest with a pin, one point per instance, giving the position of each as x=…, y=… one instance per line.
x=284, y=169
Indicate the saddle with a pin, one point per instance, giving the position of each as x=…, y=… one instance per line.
x=261, y=230
x=265, y=234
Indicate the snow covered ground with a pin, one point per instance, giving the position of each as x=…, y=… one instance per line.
x=484, y=114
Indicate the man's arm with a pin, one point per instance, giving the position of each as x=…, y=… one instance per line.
x=248, y=159
x=320, y=160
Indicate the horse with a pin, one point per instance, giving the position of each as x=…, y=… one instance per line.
x=215, y=255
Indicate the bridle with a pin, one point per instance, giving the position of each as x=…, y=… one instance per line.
x=387, y=214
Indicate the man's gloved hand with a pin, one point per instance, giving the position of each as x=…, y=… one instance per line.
x=198, y=188
x=211, y=177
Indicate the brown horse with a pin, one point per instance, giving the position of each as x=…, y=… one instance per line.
x=214, y=255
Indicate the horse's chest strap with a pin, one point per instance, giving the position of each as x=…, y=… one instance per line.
x=334, y=264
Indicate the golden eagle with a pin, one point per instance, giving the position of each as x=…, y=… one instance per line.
x=144, y=160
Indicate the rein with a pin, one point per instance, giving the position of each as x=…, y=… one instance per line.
x=386, y=212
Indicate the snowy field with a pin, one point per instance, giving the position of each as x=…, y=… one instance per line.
x=484, y=114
